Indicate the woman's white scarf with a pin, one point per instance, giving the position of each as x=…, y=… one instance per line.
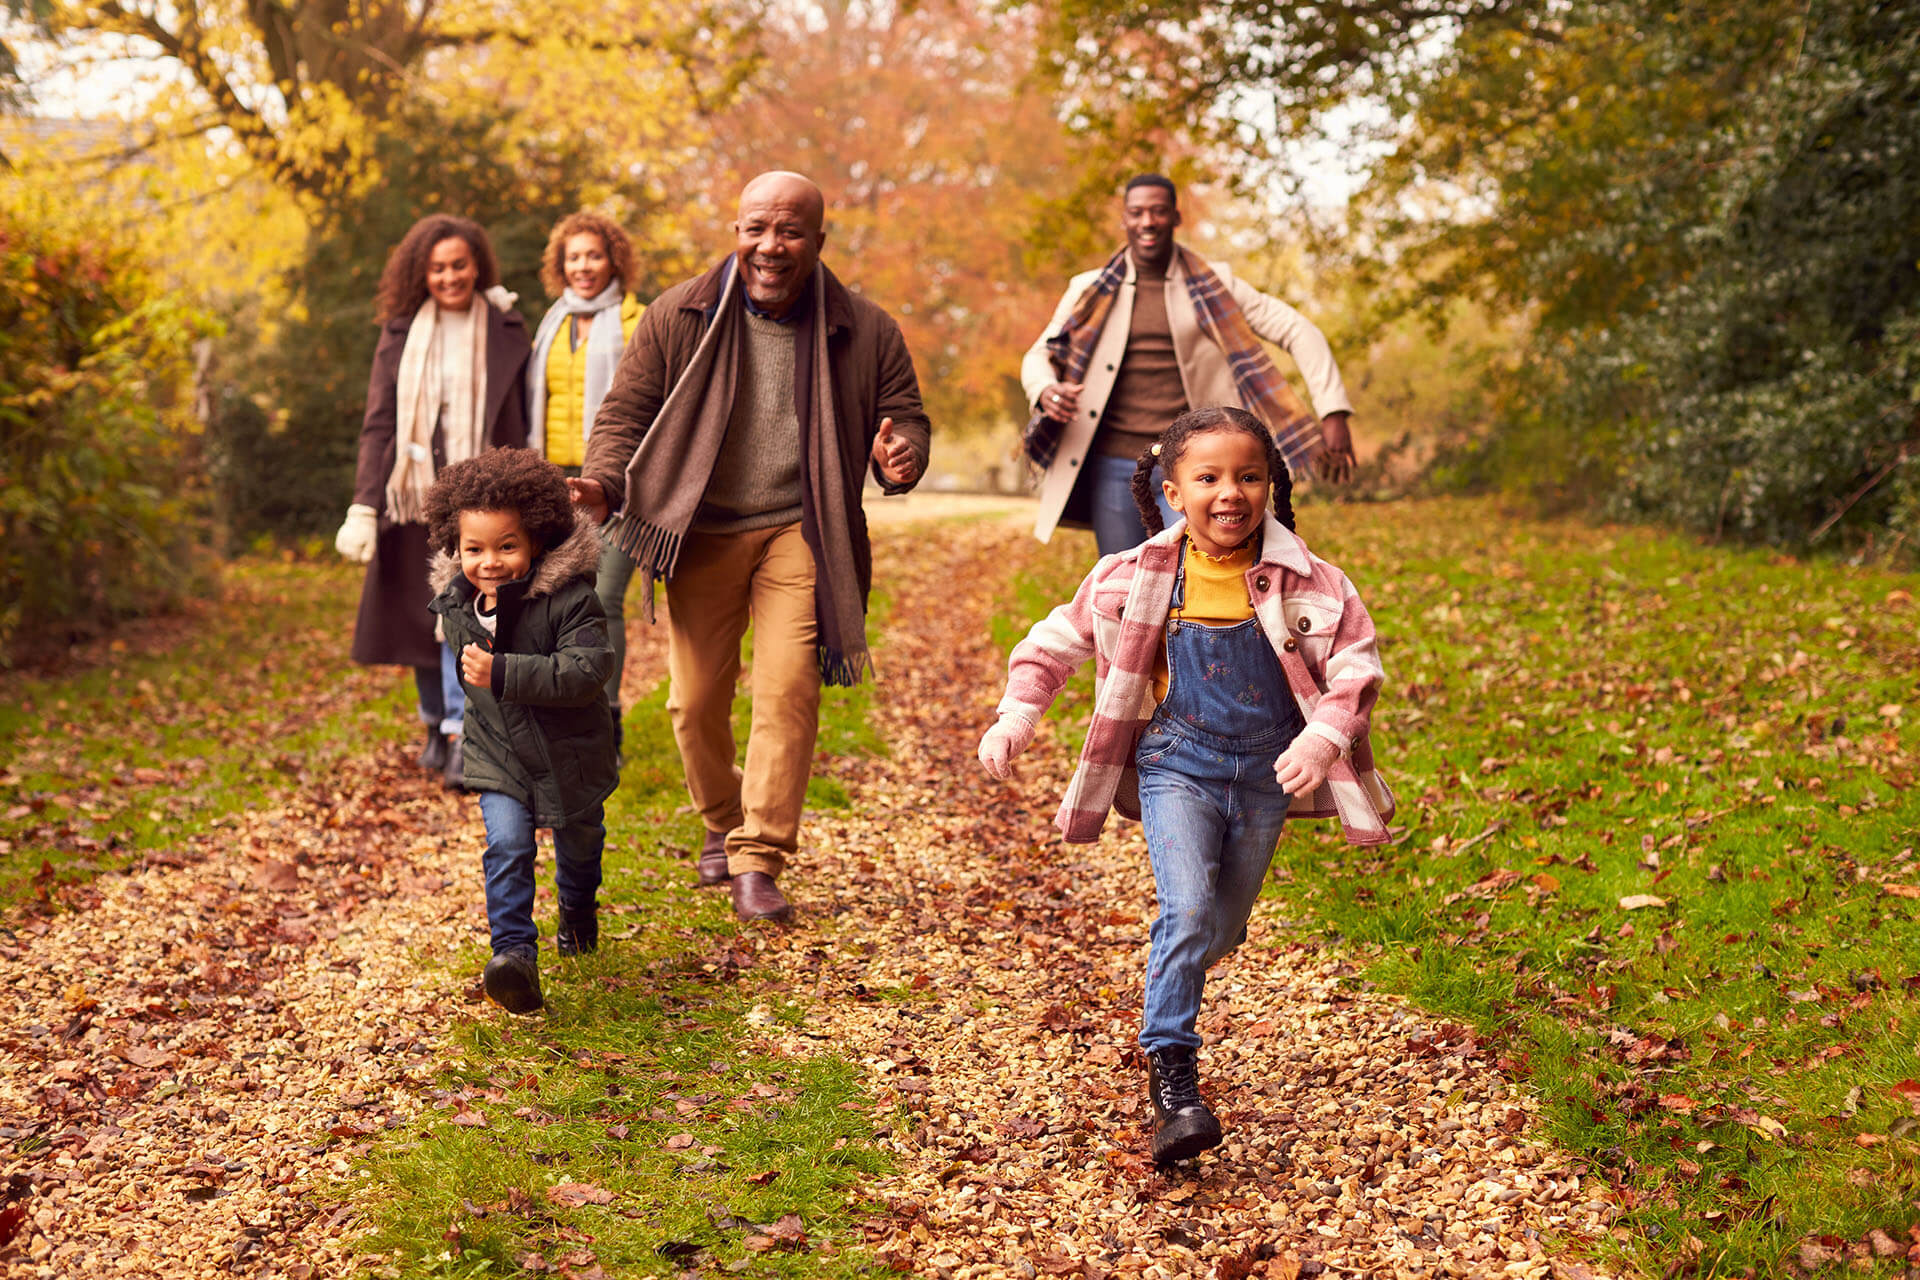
x=417, y=406
x=604, y=345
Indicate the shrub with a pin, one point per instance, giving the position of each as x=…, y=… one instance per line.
x=102, y=511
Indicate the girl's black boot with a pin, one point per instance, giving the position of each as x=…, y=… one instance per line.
x=1183, y=1126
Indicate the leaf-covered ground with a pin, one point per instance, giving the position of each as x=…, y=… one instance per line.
x=1654, y=893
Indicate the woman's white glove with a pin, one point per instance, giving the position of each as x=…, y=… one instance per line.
x=358, y=532
x=1008, y=738
x=1302, y=768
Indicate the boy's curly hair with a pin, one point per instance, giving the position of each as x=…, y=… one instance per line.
x=1172, y=445
x=553, y=266
x=403, y=283
x=516, y=480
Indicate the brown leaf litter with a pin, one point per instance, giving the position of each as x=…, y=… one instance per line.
x=194, y=1059
x=989, y=978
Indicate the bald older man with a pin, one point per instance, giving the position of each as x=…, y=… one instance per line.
x=732, y=448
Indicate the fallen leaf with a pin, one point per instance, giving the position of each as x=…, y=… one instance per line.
x=1635, y=901
x=276, y=876
x=575, y=1194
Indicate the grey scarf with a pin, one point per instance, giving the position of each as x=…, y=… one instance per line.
x=604, y=344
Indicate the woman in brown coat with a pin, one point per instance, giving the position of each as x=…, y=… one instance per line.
x=448, y=382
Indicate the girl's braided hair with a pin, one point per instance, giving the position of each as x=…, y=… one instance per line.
x=516, y=480
x=1172, y=445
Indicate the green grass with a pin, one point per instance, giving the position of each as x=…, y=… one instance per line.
x=1575, y=716
x=1053, y=573
x=185, y=721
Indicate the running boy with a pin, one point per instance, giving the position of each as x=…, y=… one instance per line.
x=1235, y=672
x=514, y=590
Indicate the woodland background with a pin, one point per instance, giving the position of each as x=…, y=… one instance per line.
x=1641, y=259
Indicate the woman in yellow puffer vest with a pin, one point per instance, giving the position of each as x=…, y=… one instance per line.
x=587, y=262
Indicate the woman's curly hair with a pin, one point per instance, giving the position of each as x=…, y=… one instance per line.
x=1172, y=446
x=516, y=480
x=403, y=284
x=553, y=264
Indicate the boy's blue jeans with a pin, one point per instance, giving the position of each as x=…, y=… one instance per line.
x=1212, y=816
x=509, y=867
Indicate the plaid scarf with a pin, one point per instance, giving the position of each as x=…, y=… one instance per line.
x=1263, y=391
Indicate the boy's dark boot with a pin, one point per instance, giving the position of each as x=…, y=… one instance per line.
x=454, y=775
x=1183, y=1126
x=512, y=980
x=433, y=756
x=579, y=932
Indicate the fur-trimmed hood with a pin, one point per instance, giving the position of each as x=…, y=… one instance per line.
x=576, y=557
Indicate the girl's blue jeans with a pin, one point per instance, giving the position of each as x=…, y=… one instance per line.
x=509, y=867
x=443, y=703
x=1213, y=815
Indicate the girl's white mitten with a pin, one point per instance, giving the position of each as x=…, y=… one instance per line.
x=1009, y=736
x=1302, y=767
x=358, y=532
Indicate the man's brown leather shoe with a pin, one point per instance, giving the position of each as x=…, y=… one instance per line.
x=757, y=897
x=713, y=860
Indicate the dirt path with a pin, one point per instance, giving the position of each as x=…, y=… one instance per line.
x=190, y=1062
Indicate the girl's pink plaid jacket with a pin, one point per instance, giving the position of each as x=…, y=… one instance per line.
x=1312, y=616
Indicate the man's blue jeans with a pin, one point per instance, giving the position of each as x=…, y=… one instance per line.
x=509, y=867
x=1212, y=818
x=1115, y=516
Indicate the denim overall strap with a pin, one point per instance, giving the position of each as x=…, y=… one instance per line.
x=1225, y=686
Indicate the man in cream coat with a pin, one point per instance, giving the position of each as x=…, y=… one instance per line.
x=1154, y=357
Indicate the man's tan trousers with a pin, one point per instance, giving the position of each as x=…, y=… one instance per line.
x=720, y=583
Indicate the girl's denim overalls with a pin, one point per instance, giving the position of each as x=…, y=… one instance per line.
x=1210, y=805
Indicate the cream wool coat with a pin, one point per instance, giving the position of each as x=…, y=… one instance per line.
x=1203, y=366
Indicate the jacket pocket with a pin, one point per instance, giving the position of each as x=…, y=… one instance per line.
x=1311, y=628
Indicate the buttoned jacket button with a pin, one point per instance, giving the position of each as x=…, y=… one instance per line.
x=1306, y=625
x=1260, y=583
x=1291, y=644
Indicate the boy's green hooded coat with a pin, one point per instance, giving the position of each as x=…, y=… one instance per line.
x=542, y=733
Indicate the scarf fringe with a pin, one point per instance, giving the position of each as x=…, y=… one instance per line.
x=841, y=670
x=652, y=546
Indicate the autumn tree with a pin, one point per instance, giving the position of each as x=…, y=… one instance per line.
x=305, y=85
x=1709, y=214
x=937, y=155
